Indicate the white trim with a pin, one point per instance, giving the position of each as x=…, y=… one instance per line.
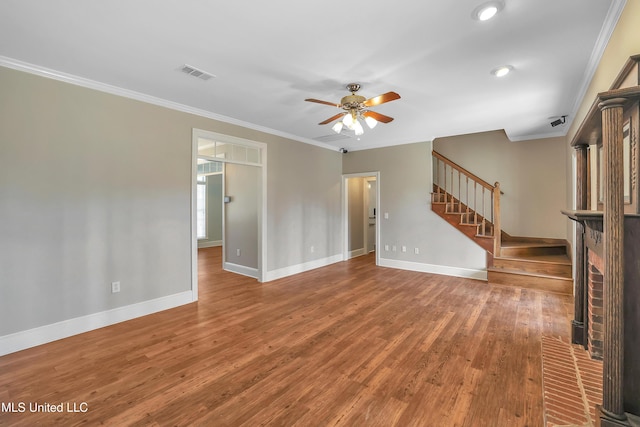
x=194, y=218
x=209, y=244
x=49, y=73
x=357, y=253
x=224, y=212
x=262, y=227
x=240, y=269
x=434, y=269
x=301, y=268
x=541, y=135
x=66, y=328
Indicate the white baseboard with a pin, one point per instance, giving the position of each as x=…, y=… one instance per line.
x=66, y=328
x=241, y=269
x=357, y=252
x=300, y=268
x=435, y=269
x=209, y=244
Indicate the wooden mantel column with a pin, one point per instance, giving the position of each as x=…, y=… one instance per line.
x=578, y=330
x=612, y=411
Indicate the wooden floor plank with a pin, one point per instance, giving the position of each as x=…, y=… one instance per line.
x=348, y=344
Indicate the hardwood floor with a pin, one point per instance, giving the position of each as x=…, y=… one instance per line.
x=349, y=344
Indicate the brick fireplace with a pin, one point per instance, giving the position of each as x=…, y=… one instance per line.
x=595, y=304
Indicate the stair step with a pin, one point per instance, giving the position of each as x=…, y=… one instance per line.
x=527, y=249
x=488, y=237
x=523, y=279
x=554, y=265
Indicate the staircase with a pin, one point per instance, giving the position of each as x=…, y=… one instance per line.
x=472, y=205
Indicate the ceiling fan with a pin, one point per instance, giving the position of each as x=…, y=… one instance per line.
x=355, y=107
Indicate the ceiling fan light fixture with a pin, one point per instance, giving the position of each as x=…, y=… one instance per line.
x=357, y=127
x=371, y=122
x=350, y=120
x=486, y=11
x=355, y=111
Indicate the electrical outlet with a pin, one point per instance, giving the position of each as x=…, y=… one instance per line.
x=393, y=248
x=313, y=249
x=404, y=249
x=386, y=215
x=416, y=251
x=115, y=287
x=237, y=252
x=386, y=247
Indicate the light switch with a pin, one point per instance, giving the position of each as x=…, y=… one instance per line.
x=386, y=215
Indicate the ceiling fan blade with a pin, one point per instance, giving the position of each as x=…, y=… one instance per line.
x=381, y=99
x=329, y=120
x=379, y=117
x=333, y=104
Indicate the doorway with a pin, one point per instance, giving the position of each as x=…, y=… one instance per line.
x=243, y=164
x=370, y=217
x=361, y=204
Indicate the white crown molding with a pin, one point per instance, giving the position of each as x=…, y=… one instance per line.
x=609, y=25
x=540, y=135
x=38, y=70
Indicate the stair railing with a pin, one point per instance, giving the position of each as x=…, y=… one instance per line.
x=477, y=201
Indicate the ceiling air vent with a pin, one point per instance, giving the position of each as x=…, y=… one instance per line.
x=195, y=72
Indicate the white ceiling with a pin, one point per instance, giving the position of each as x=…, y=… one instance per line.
x=269, y=56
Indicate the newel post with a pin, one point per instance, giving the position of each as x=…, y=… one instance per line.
x=497, y=231
x=612, y=410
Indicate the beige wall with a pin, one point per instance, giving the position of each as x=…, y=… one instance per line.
x=303, y=203
x=531, y=174
x=96, y=188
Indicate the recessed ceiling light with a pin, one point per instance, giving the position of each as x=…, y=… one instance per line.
x=502, y=71
x=487, y=10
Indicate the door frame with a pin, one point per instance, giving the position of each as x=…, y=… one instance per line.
x=262, y=208
x=345, y=212
x=367, y=201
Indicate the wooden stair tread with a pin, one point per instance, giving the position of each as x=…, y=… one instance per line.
x=548, y=259
x=528, y=273
x=516, y=244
